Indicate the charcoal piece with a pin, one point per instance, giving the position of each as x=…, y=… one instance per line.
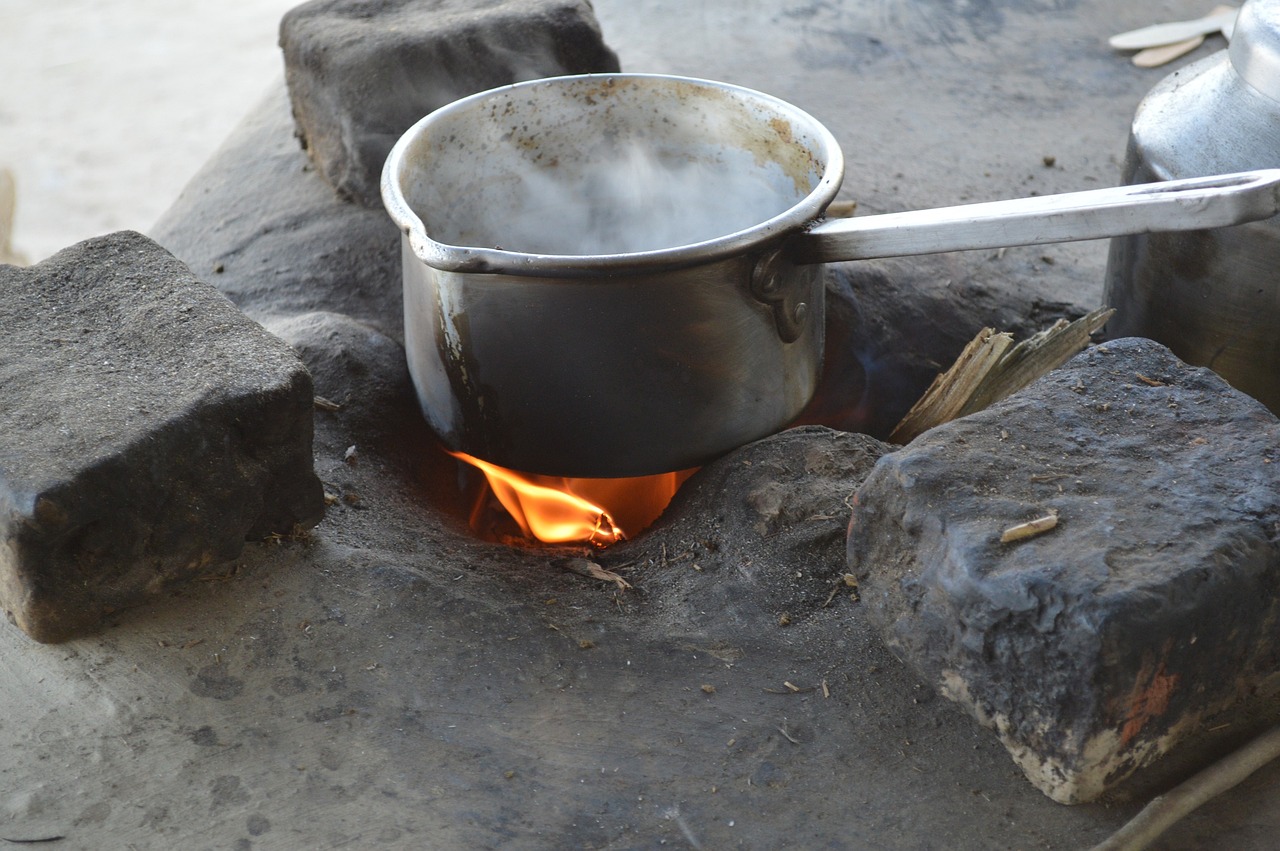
x=150, y=429
x=361, y=72
x=1141, y=615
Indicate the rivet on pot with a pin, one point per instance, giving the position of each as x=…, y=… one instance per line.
x=775, y=282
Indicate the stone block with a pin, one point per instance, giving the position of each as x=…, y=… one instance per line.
x=150, y=428
x=361, y=72
x=1145, y=615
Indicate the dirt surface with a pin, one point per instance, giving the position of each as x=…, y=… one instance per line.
x=109, y=107
x=391, y=681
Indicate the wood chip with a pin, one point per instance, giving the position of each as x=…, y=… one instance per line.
x=841, y=209
x=1029, y=529
x=992, y=368
x=323, y=404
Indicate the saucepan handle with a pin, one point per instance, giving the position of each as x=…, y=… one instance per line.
x=1189, y=204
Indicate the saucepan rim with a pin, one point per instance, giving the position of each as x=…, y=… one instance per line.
x=476, y=259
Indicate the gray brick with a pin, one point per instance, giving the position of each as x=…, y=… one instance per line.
x=149, y=428
x=361, y=72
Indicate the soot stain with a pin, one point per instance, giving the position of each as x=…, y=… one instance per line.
x=227, y=790
x=204, y=737
x=289, y=686
x=214, y=681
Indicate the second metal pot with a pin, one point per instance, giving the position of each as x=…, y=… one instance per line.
x=610, y=275
x=1213, y=296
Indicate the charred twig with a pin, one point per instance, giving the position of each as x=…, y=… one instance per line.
x=791, y=688
x=33, y=841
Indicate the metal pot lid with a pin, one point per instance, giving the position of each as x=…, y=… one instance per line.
x=1255, y=46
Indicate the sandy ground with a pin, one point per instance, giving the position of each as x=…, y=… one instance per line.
x=108, y=107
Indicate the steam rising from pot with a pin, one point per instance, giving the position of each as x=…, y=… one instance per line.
x=602, y=171
x=639, y=202
x=635, y=200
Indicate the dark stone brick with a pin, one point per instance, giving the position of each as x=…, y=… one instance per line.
x=149, y=428
x=361, y=72
x=1096, y=647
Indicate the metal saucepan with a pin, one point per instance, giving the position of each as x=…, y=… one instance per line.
x=612, y=274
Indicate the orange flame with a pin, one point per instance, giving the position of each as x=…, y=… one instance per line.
x=562, y=510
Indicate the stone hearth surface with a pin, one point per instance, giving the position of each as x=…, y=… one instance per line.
x=389, y=681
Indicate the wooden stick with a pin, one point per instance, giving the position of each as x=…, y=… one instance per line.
x=1164, y=810
x=992, y=368
x=947, y=395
